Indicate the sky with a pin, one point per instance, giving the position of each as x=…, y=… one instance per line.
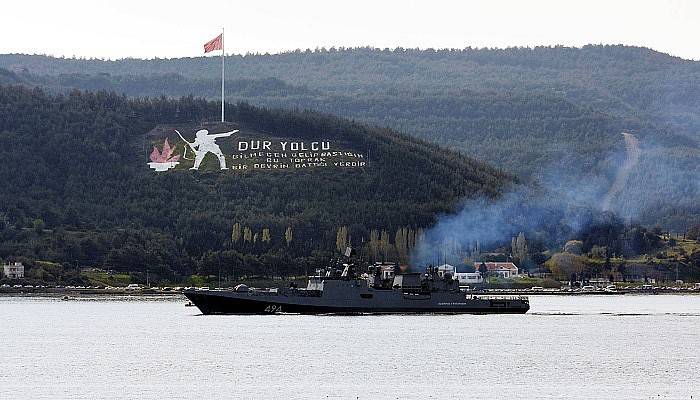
x=175, y=28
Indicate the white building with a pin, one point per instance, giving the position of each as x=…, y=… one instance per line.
x=446, y=268
x=13, y=271
x=469, y=278
x=464, y=278
x=502, y=269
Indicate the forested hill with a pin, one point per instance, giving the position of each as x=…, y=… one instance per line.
x=551, y=113
x=622, y=79
x=77, y=188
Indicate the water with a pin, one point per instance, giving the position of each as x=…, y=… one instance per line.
x=584, y=347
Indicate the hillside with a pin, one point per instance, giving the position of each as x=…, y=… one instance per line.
x=78, y=189
x=551, y=114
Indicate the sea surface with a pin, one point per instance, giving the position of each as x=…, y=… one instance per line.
x=575, y=347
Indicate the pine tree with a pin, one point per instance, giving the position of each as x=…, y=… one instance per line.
x=288, y=235
x=519, y=248
x=341, y=238
x=401, y=243
x=385, y=244
x=236, y=232
x=419, y=237
x=411, y=239
x=374, y=244
x=247, y=234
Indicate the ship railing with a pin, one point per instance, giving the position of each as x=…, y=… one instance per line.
x=264, y=291
x=496, y=297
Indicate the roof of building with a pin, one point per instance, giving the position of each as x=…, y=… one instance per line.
x=494, y=266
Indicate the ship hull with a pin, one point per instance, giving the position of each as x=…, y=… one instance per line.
x=229, y=302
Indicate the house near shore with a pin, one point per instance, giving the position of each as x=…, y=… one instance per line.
x=502, y=269
x=464, y=278
x=13, y=270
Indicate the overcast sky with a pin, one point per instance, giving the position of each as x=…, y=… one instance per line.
x=174, y=28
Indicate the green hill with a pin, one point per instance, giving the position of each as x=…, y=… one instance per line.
x=553, y=114
x=78, y=189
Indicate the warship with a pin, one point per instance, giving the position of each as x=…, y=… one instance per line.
x=343, y=291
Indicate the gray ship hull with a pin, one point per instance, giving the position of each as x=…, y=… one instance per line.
x=353, y=302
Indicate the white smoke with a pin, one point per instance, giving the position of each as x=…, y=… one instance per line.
x=556, y=208
x=618, y=185
x=558, y=205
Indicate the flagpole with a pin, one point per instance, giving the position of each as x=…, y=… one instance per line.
x=223, y=51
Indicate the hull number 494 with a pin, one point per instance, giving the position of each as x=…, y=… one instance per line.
x=273, y=308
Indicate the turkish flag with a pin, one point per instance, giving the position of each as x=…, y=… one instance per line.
x=214, y=44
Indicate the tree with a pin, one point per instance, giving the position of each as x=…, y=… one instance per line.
x=695, y=258
x=374, y=244
x=599, y=252
x=385, y=244
x=573, y=247
x=563, y=265
x=266, y=238
x=288, y=235
x=38, y=225
x=401, y=240
x=622, y=268
x=341, y=239
x=694, y=232
x=519, y=248
x=247, y=234
x=419, y=237
x=236, y=232
x=411, y=239
x=484, y=271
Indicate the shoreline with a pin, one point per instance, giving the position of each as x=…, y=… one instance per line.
x=117, y=292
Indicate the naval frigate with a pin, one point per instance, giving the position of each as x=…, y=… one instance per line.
x=343, y=291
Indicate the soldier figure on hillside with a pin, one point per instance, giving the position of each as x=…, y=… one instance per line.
x=205, y=143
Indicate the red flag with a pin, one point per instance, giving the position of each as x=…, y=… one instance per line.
x=214, y=44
